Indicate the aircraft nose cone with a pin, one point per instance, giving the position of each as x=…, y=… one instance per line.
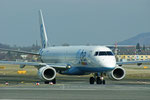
x=109, y=62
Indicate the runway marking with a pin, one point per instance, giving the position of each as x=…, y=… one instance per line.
x=41, y=89
x=79, y=88
x=15, y=99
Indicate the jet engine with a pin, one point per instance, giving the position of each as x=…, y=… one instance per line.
x=117, y=74
x=47, y=73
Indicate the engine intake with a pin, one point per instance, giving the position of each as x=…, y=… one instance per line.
x=47, y=73
x=117, y=74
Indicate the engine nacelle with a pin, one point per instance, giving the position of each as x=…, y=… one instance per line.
x=117, y=74
x=47, y=73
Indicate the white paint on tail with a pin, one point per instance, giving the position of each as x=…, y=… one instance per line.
x=44, y=40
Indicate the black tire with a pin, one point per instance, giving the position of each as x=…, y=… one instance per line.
x=92, y=80
x=54, y=81
x=98, y=80
x=104, y=82
x=46, y=82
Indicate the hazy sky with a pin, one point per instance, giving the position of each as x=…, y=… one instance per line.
x=73, y=21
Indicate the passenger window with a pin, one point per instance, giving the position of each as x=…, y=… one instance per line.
x=96, y=53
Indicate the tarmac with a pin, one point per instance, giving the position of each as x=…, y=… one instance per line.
x=72, y=88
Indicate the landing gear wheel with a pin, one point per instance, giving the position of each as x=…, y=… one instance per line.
x=98, y=80
x=46, y=82
x=92, y=80
x=104, y=82
x=54, y=81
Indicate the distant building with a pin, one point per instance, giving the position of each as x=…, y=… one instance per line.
x=24, y=56
x=132, y=57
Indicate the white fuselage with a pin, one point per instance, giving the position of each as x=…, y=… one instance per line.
x=88, y=58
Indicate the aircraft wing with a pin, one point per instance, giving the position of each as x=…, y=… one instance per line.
x=36, y=64
x=133, y=62
x=17, y=51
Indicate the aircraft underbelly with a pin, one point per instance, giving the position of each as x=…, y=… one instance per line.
x=84, y=70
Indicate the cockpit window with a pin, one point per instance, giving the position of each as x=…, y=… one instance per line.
x=96, y=53
x=110, y=53
x=103, y=53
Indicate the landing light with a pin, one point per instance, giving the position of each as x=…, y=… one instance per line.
x=69, y=67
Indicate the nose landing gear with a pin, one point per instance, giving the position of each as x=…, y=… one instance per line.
x=98, y=78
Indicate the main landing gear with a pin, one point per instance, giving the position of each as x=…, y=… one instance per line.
x=53, y=81
x=99, y=79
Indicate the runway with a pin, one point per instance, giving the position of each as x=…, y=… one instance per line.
x=136, y=86
x=74, y=88
x=82, y=92
x=101, y=93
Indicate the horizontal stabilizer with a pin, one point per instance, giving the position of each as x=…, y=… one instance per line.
x=17, y=51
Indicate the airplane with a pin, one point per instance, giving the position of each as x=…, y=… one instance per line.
x=74, y=60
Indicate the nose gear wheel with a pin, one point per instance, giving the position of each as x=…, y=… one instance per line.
x=98, y=78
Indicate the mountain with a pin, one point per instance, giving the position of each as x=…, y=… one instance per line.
x=143, y=39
